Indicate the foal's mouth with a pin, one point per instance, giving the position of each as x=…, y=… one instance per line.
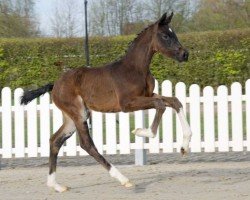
x=181, y=56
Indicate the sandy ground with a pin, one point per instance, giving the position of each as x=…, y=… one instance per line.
x=187, y=180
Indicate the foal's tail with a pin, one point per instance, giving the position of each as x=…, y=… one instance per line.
x=28, y=96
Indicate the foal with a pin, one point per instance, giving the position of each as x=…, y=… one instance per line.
x=125, y=85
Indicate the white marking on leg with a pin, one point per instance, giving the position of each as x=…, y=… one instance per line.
x=116, y=174
x=187, y=133
x=85, y=111
x=51, y=182
x=69, y=127
x=143, y=132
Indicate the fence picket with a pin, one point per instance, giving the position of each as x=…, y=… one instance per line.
x=208, y=113
x=237, y=131
x=222, y=107
x=167, y=120
x=154, y=143
x=6, y=123
x=97, y=130
x=32, y=128
x=111, y=133
x=248, y=113
x=19, y=124
x=180, y=93
x=195, y=118
x=124, y=130
x=44, y=124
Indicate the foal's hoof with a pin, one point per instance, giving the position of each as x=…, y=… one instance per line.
x=183, y=151
x=143, y=132
x=59, y=188
x=63, y=189
x=128, y=185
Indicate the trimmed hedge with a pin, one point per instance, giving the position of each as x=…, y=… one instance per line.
x=219, y=57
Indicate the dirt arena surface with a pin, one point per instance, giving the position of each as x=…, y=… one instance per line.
x=200, y=176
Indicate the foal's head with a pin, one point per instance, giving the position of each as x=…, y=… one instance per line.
x=165, y=40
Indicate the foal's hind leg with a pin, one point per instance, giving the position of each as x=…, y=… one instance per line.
x=56, y=141
x=87, y=144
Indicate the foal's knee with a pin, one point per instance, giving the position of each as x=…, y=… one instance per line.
x=160, y=105
x=177, y=105
x=57, y=141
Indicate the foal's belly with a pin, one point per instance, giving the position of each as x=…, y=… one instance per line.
x=103, y=104
x=102, y=101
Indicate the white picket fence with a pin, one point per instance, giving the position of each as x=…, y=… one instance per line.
x=219, y=122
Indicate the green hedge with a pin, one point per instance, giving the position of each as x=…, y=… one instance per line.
x=215, y=58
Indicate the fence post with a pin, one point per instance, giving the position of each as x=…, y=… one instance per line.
x=140, y=157
x=140, y=152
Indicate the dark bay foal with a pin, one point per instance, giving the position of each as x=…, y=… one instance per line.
x=125, y=85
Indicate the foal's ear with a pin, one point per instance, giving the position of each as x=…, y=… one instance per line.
x=165, y=20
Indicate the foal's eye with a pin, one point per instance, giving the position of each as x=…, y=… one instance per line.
x=165, y=37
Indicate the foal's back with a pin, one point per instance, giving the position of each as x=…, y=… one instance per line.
x=94, y=85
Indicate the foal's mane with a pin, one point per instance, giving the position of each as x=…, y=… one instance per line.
x=138, y=36
x=132, y=43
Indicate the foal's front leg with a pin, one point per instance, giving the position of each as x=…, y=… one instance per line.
x=177, y=106
x=143, y=103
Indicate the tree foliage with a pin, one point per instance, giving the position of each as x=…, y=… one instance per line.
x=220, y=15
x=66, y=19
x=120, y=17
x=17, y=19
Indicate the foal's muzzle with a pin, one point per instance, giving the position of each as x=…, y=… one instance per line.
x=183, y=56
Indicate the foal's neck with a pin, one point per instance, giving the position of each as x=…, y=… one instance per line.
x=140, y=53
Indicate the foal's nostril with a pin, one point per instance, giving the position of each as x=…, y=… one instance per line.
x=185, y=55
